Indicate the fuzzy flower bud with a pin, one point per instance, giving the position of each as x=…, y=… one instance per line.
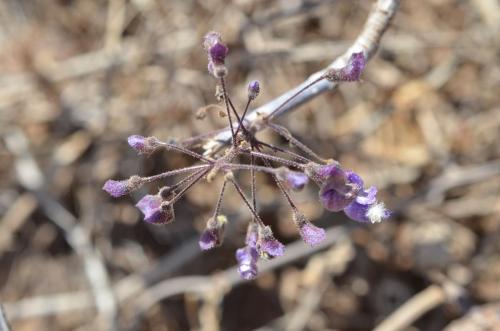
x=311, y=234
x=253, y=89
x=351, y=72
x=143, y=145
x=212, y=236
x=267, y=245
x=155, y=210
x=247, y=258
x=293, y=179
x=118, y=188
x=217, y=52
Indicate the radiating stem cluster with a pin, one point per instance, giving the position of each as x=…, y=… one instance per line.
x=290, y=169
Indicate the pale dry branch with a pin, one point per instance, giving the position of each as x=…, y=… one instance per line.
x=367, y=42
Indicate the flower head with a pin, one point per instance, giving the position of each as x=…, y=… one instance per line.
x=217, y=52
x=310, y=233
x=155, y=210
x=267, y=245
x=213, y=234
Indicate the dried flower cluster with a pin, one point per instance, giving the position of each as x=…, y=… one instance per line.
x=339, y=189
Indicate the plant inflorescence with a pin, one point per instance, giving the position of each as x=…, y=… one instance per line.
x=339, y=189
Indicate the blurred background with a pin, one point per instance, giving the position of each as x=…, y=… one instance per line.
x=77, y=77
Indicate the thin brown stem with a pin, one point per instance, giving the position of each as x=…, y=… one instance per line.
x=186, y=151
x=278, y=159
x=247, y=203
x=294, y=141
x=174, y=172
x=284, y=151
x=226, y=102
x=219, y=200
x=240, y=124
x=188, y=186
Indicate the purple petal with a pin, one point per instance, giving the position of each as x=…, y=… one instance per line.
x=209, y=239
x=357, y=212
x=218, y=53
x=333, y=200
x=150, y=206
x=273, y=247
x=116, y=188
x=311, y=234
x=248, y=271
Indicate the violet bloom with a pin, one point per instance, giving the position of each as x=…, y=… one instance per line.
x=366, y=209
x=339, y=189
x=311, y=234
x=351, y=72
x=212, y=236
x=248, y=256
x=267, y=245
x=155, y=210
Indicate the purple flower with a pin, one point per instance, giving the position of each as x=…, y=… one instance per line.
x=212, y=236
x=339, y=189
x=310, y=233
x=267, y=245
x=116, y=188
x=366, y=209
x=155, y=210
x=253, y=89
x=351, y=72
x=247, y=258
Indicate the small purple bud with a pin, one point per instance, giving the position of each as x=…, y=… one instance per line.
x=212, y=236
x=351, y=72
x=155, y=210
x=118, y=188
x=253, y=89
x=293, y=179
x=268, y=246
x=142, y=144
x=310, y=233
